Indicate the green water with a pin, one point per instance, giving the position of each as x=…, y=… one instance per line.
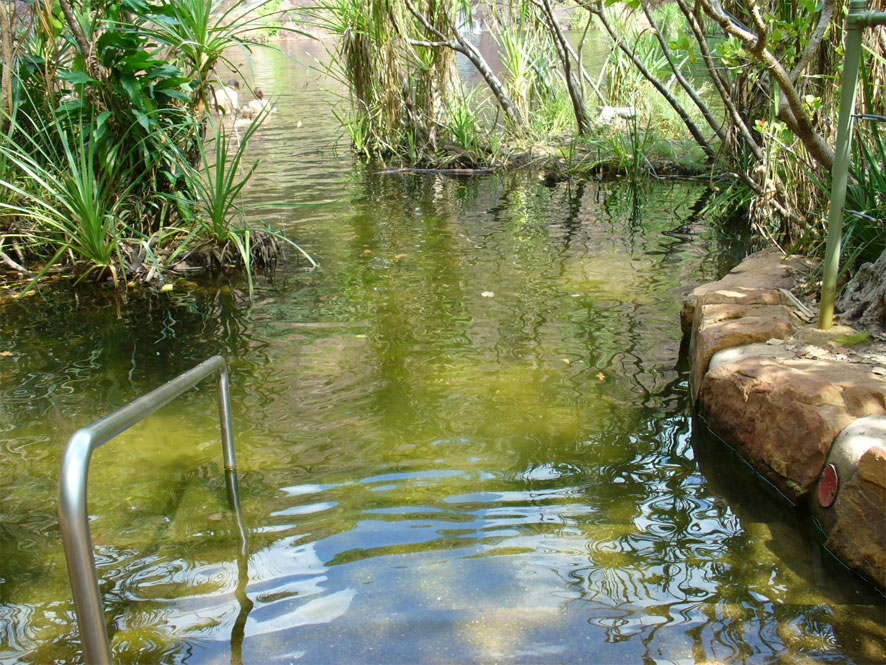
x=465, y=439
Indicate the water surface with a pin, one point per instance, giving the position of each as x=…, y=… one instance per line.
x=465, y=439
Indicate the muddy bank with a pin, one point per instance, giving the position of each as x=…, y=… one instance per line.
x=807, y=408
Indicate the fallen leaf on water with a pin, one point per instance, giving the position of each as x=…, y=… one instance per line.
x=488, y=294
x=601, y=376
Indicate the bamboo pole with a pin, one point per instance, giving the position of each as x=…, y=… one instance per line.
x=858, y=19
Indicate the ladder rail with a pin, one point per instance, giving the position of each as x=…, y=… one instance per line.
x=73, y=481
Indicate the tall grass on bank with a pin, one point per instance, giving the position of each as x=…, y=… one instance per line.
x=366, y=57
x=394, y=78
x=218, y=221
x=104, y=163
x=64, y=199
x=397, y=60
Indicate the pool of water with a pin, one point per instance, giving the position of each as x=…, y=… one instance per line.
x=466, y=438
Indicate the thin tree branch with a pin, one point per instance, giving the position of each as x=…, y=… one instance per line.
x=578, y=104
x=715, y=124
x=578, y=52
x=598, y=10
x=427, y=25
x=578, y=59
x=4, y=257
x=824, y=20
x=479, y=62
x=791, y=110
x=718, y=81
x=759, y=24
x=418, y=42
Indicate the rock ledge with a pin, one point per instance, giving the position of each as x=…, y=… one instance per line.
x=781, y=393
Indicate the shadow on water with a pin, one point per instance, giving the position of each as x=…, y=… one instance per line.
x=786, y=552
x=466, y=438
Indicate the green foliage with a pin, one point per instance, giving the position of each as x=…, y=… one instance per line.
x=198, y=31
x=105, y=156
x=521, y=50
x=215, y=186
x=464, y=123
x=69, y=198
x=852, y=339
x=865, y=221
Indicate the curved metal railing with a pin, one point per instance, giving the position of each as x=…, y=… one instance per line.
x=73, y=516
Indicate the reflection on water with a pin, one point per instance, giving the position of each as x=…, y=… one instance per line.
x=464, y=439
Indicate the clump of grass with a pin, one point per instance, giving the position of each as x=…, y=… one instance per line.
x=64, y=198
x=219, y=222
x=465, y=122
x=853, y=339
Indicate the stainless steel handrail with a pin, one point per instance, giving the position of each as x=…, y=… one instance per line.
x=72, y=512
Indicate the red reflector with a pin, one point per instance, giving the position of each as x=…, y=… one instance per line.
x=828, y=486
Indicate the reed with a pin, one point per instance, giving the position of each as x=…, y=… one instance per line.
x=218, y=221
x=64, y=197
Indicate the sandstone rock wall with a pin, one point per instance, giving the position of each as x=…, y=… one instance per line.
x=782, y=404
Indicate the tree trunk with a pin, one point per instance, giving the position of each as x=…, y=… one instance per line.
x=7, y=64
x=863, y=301
x=578, y=102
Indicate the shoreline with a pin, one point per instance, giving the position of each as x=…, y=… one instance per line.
x=805, y=407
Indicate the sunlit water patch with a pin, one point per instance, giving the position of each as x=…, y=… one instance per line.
x=465, y=439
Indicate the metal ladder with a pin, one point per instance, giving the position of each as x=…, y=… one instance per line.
x=73, y=516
